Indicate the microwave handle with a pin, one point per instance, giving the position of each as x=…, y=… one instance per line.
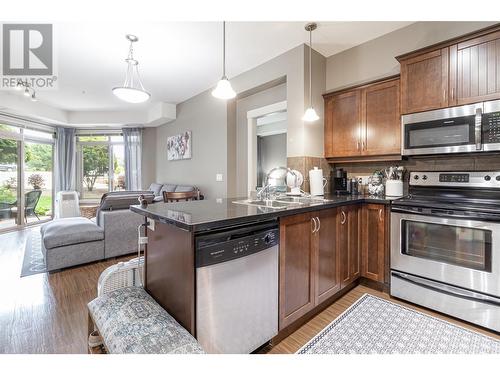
x=478, y=128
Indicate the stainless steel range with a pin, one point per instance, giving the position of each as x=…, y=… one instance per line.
x=445, y=245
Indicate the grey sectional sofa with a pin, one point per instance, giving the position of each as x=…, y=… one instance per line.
x=157, y=189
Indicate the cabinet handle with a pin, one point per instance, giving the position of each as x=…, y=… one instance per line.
x=357, y=145
x=363, y=145
x=319, y=224
x=344, y=218
x=380, y=214
x=444, y=95
x=313, y=221
x=452, y=93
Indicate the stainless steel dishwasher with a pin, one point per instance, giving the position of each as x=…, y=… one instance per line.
x=237, y=288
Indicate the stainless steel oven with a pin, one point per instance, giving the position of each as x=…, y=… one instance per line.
x=445, y=245
x=468, y=128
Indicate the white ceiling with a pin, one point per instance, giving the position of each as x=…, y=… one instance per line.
x=179, y=60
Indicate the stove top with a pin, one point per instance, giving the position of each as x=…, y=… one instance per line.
x=453, y=194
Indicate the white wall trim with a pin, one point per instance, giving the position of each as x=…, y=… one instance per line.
x=271, y=108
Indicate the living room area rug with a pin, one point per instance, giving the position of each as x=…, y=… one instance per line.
x=373, y=325
x=33, y=261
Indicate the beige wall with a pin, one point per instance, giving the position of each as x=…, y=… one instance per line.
x=375, y=59
x=206, y=117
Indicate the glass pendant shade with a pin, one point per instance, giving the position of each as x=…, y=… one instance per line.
x=223, y=90
x=310, y=115
x=132, y=90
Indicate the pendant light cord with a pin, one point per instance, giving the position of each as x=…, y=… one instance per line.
x=223, y=49
x=310, y=69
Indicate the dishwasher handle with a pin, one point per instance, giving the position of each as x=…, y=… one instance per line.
x=224, y=248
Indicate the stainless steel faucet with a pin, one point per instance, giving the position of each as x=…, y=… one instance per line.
x=265, y=192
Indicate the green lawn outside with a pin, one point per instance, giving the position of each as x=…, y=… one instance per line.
x=44, y=205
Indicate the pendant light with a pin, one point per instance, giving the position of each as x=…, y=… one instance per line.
x=223, y=90
x=132, y=90
x=310, y=115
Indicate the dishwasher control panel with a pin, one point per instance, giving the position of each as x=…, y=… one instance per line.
x=225, y=246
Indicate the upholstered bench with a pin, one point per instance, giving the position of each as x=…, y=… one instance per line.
x=71, y=241
x=130, y=321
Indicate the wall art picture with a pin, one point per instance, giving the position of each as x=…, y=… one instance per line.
x=179, y=146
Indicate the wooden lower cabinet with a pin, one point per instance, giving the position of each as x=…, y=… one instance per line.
x=296, y=279
x=326, y=269
x=373, y=241
x=348, y=220
x=324, y=251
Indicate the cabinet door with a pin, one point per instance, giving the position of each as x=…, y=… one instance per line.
x=348, y=244
x=328, y=133
x=381, y=119
x=475, y=70
x=326, y=260
x=296, y=295
x=346, y=124
x=373, y=241
x=424, y=81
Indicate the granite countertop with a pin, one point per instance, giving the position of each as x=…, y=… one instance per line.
x=205, y=215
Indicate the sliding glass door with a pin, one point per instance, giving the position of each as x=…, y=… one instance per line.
x=26, y=188
x=9, y=177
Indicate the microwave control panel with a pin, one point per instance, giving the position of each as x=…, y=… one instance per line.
x=491, y=127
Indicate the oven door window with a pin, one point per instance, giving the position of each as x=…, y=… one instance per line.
x=452, y=132
x=460, y=246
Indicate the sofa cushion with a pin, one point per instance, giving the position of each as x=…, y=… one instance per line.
x=69, y=231
x=155, y=188
x=184, y=188
x=130, y=321
x=169, y=188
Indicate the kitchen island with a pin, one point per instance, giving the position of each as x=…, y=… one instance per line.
x=322, y=250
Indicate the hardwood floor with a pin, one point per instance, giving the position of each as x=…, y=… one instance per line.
x=46, y=313
x=302, y=335
x=43, y=313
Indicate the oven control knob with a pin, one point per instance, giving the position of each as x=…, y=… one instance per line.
x=415, y=177
x=487, y=178
x=424, y=177
x=267, y=239
x=497, y=178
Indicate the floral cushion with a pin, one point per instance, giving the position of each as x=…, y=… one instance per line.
x=131, y=322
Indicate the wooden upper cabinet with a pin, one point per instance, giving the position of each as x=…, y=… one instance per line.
x=374, y=242
x=424, y=81
x=475, y=70
x=363, y=121
x=381, y=126
x=296, y=289
x=344, y=129
x=326, y=259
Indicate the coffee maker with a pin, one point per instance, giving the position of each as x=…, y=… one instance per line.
x=340, y=183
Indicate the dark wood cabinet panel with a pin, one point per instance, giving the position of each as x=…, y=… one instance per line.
x=327, y=261
x=345, y=118
x=348, y=244
x=296, y=287
x=475, y=70
x=364, y=122
x=373, y=239
x=424, y=81
x=381, y=119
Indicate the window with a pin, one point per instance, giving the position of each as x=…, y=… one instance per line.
x=101, y=166
x=31, y=179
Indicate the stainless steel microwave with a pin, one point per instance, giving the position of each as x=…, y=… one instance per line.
x=468, y=128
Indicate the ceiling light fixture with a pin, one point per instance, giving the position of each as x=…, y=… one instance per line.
x=310, y=115
x=132, y=90
x=223, y=90
x=27, y=92
x=33, y=97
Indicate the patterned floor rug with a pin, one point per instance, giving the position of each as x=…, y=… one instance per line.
x=33, y=261
x=376, y=326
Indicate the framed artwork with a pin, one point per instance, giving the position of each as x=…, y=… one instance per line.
x=179, y=146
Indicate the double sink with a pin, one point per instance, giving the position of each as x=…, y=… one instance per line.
x=283, y=202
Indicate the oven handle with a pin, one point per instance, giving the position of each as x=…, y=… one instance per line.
x=478, y=128
x=439, y=213
x=447, y=289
